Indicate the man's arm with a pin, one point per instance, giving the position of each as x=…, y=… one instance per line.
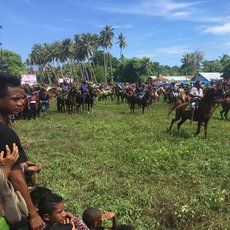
x=19, y=184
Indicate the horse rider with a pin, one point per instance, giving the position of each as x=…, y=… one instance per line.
x=64, y=86
x=139, y=91
x=84, y=89
x=196, y=93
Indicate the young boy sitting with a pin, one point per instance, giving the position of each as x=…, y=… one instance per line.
x=51, y=210
x=93, y=218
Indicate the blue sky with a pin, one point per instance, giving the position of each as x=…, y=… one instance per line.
x=163, y=30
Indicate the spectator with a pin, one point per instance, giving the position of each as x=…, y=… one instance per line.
x=6, y=163
x=51, y=209
x=93, y=218
x=10, y=95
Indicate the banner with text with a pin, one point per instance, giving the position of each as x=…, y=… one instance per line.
x=30, y=79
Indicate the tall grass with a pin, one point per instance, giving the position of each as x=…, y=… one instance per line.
x=130, y=164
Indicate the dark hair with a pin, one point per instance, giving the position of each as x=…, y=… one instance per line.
x=7, y=80
x=91, y=216
x=47, y=203
x=38, y=192
x=58, y=226
x=124, y=227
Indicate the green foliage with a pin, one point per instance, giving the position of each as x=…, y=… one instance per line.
x=225, y=60
x=12, y=63
x=130, y=164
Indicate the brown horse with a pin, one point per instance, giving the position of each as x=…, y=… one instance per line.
x=202, y=114
x=225, y=108
x=143, y=102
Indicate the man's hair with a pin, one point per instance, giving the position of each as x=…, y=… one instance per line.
x=7, y=80
x=47, y=204
x=58, y=226
x=91, y=216
x=37, y=193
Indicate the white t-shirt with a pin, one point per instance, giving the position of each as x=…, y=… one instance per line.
x=196, y=92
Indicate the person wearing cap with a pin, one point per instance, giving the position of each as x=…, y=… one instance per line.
x=196, y=93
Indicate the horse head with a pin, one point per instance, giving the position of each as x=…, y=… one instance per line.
x=210, y=95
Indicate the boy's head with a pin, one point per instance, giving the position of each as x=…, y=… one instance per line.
x=92, y=218
x=8, y=80
x=37, y=193
x=51, y=208
x=10, y=94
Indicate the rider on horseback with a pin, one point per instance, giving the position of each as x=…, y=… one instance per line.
x=195, y=93
x=139, y=91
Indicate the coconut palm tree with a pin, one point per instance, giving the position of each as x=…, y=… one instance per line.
x=106, y=37
x=122, y=43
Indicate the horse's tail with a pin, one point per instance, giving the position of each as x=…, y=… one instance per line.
x=177, y=106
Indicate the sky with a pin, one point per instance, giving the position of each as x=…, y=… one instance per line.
x=163, y=30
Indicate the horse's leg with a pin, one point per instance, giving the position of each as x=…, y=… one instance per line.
x=177, y=118
x=143, y=109
x=221, y=114
x=181, y=122
x=132, y=105
x=198, y=127
x=226, y=114
x=206, y=130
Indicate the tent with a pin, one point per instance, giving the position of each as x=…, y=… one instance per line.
x=160, y=78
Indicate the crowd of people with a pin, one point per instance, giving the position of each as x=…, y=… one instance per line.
x=45, y=209
x=36, y=99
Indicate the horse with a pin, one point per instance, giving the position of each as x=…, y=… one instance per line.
x=67, y=101
x=89, y=99
x=225, y=108
x=202, y=114
x=119, y=94
x=141, y=101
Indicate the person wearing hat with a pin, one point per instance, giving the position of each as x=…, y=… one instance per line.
x=196, y=93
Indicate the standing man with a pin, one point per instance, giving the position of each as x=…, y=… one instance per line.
x=10, y=103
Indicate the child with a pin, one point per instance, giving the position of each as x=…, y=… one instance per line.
x=93, y=218
x=51, y=209
x=37, y=193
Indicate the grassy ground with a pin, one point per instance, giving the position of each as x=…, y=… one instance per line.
x=130, y=164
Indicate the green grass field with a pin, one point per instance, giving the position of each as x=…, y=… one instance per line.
x=130, y=164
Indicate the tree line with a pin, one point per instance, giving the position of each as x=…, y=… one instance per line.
x=88, y=56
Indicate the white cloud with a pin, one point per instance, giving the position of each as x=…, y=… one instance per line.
x=165, y=8
x=173, y=50
x=167, y=50
x=218, y=30
x=170, y=9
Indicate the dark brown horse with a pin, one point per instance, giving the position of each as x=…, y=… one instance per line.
x=202, y=114
x=136, y=100
x=225, y=108
x=89, y=99
x=67, y=101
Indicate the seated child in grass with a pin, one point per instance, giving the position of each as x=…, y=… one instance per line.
x=93, y=218
x=51, y=210
x=37, y=193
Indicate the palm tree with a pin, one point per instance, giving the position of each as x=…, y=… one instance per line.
x=106, y=37
x=122, y=43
